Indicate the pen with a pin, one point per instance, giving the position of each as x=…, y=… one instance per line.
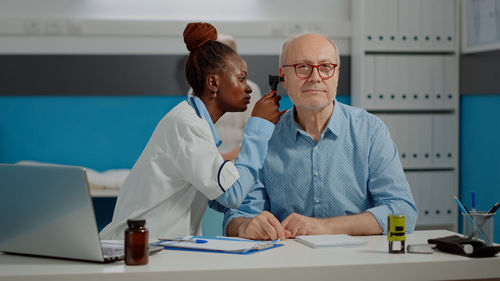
x=494, y=208
x=466, y=210
x=196, y=241
x=473, y=200
x=471, y=220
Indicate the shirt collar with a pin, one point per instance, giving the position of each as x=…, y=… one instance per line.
x=334, y=124
x=202, y=112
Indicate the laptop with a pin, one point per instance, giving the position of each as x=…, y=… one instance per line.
x=47, y=211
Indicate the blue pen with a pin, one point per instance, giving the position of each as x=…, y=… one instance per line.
x=471, y=220
x=196, y=241
x=473, y=200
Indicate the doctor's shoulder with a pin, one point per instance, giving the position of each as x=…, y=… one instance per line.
x=182, y=120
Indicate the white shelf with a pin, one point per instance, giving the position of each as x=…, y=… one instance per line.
x=405, y=71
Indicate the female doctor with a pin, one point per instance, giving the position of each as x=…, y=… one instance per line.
x=180, y=168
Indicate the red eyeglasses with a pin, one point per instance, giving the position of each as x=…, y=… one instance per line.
x=304, y=70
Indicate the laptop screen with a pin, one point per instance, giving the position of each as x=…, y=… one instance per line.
x=47, y=211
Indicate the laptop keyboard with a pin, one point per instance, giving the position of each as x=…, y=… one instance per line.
x=113, y=253
x=116, y=252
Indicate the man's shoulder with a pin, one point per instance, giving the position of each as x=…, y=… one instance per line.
x=357, y=115
x=284, y=124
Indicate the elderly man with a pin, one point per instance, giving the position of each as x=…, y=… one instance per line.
x=330, y=168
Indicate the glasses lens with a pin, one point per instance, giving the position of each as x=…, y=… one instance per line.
x=303, y=70
x=326, y=70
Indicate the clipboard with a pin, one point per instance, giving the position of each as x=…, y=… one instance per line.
x=227, y=245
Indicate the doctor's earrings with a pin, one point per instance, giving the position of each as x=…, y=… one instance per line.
x=214, y=94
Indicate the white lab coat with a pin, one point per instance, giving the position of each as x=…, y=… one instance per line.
x=173, y=179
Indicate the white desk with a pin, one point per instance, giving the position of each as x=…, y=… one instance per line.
x=293, y=261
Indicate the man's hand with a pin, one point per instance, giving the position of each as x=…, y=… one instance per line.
x=297, y=225
x=264, y=226
x=359, y=224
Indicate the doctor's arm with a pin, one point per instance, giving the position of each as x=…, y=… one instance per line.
x=253, y=151
x=256, y=135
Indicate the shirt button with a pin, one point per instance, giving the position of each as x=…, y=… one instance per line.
x=315, y=148
x=317, y=201
x=316, y=174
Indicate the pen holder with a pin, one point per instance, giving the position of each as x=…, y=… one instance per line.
x=482, y=221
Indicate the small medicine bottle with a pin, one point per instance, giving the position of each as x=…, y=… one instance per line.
x=136, y=242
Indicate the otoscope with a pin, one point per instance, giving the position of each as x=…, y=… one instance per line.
x=274, y=81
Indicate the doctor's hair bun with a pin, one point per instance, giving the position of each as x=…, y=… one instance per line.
x=206, y=54
x=196, y=34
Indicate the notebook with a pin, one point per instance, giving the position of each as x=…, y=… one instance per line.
x=334, y=240
x=47, y=211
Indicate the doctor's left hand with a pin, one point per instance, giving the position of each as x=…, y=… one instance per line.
x=301, y=225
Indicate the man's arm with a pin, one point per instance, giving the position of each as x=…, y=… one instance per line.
x=387, y=182
x=264, y=226
x=252, y=220
x=360, y=224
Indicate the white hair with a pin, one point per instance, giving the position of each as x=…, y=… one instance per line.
x=286, y=44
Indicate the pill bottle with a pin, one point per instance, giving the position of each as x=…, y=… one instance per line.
x=136, y=242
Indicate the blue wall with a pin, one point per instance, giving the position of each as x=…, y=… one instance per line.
x=480, y=152
x=97, y=132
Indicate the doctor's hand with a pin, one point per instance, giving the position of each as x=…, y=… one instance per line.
x=298, y=225
x=267, y=108
x=264, y=226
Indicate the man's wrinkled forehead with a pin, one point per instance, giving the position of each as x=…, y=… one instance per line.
x=312, y=51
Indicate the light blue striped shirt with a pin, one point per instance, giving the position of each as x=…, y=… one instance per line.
x=354, y=167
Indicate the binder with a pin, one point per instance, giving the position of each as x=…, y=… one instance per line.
x=391, y=24
x=414, y=19
x=439, y=138
x=444, y=147
x=428, y=21
x=378, y=14
x=403, y=78
x=428, y=196
x=227, y=245
x=451, y=80
x=428, y=63
x=402, y=131
x=380, y=82
x=444, y=207
x=437, y=82
x=448, y=24
x=416, y=190
x=369, y=27
x=403, y=23
x=369, y=82
x=425, y=121
x=438, y=21
x=389, y=100
x=414, y=144
x=414, y=82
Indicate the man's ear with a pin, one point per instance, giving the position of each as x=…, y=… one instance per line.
x=282, y=74
x=212, y=82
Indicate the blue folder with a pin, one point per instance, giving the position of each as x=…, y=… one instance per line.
x=226, y=245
